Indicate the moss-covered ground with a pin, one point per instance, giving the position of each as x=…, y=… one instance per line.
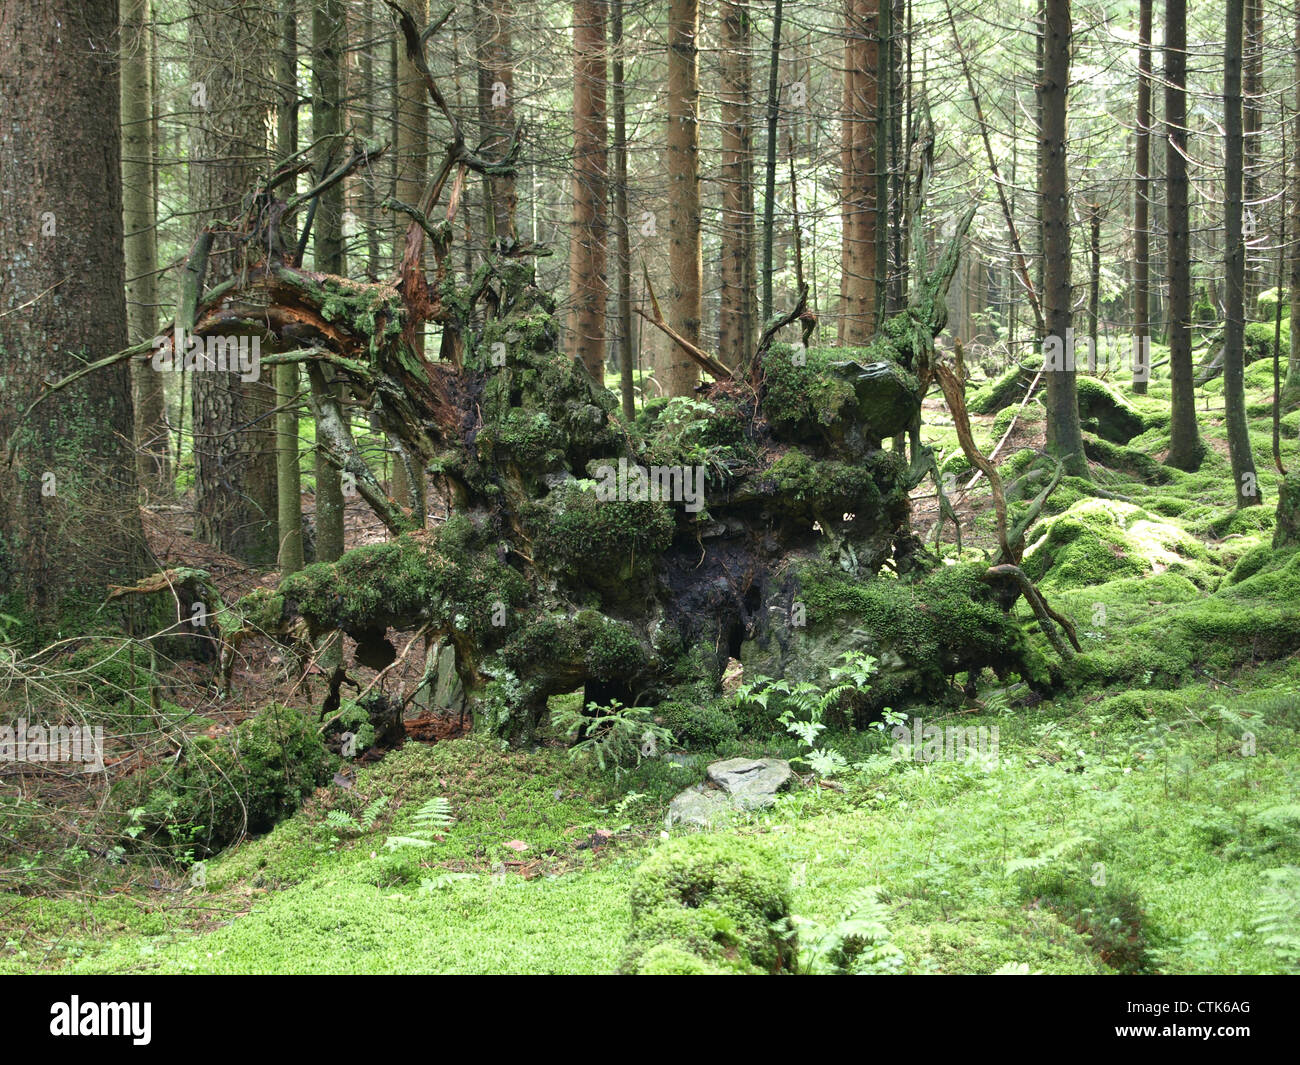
x=1135, y=820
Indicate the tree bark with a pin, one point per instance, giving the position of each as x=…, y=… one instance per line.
x=1252, y=71
x=152, y=461
x=69, y=521
x=1185, y=448
x=769, y=172
x=496, y=111
x=1064, y=436
x=736, y=315
x=233, y=427
x=288, y=472
x=1291, y=391
x=685, y=261
x=1245, y=480
x=1141, y=203
x=623, y=244
x=329, y=41
x=588, y=288
x=411, y=140
x=858, y=173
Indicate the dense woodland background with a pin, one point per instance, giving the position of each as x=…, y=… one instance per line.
x=822, y=250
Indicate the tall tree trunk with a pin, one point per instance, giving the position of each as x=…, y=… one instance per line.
x=496, y=111
x=1064, y=437
x=233, y=424
x=1234, y=366
x=769, y=172
x=588, y=289
x=1141, y=205
x=1252, y=70
x=626, y=353
x=288, y=473
x=69, y=522
x=152, y=462
x=685, y=261
x=411, y=117
x=858, y=173
x=329, y=42
x=736, y=316
x=1094, y=276
x=1291, y=393
x=1185, y=448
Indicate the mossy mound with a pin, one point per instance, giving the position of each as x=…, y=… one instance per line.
x=854, y=403
x=720, y=900
x=1105, y=412
x=923, y=632
x=243, y=782
x=1007, y=389
x=1100, y=540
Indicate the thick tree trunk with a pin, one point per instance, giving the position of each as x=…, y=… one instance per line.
x=69, y=523
x=1064, y=436
x=736, y=315
x=588, y=288
x=1291, y=392
x=233, y=427
x=858, y=173
x=152, y=461
x=496, y=111
x=685, y=262
x=623, y=244
x=769, y=170
x=1252, y=105
x=1185, y=448
x=1142, y=203
x=1244, y=478
x=411, y=118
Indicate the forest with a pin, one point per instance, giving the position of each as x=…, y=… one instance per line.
x=650, y=488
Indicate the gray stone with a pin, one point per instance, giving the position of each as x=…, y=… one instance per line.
x=699, y=806
x=752, y=783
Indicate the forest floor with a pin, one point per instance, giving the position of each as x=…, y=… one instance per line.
x=1140, y=822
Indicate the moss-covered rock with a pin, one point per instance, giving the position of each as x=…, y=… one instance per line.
x=719, y=899
x=1099, y=540
x=1105, y=412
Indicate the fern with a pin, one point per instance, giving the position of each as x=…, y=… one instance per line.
x=858, y=942
x=1278, y=914
x=443, y=881
x=1049, y=857
x=429, y=822
x=371, y=813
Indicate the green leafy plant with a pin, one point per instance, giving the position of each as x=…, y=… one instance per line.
x=857, y=943
x=613, y=736
x=429, y=823
x=1278, y=914
x=342, y=821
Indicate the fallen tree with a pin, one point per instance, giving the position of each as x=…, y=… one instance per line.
x=762, y=519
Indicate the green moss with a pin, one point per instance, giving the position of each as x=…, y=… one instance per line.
x=1099, y=540
x=717, y=898
x=810, y=488
x=667, y=959
x=453, y=574
x=608, y=648
x=243, y=782
x=1006, y=390
x=580, y=536
x=1105, y=412
x=932, y=628
x=702, y=725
